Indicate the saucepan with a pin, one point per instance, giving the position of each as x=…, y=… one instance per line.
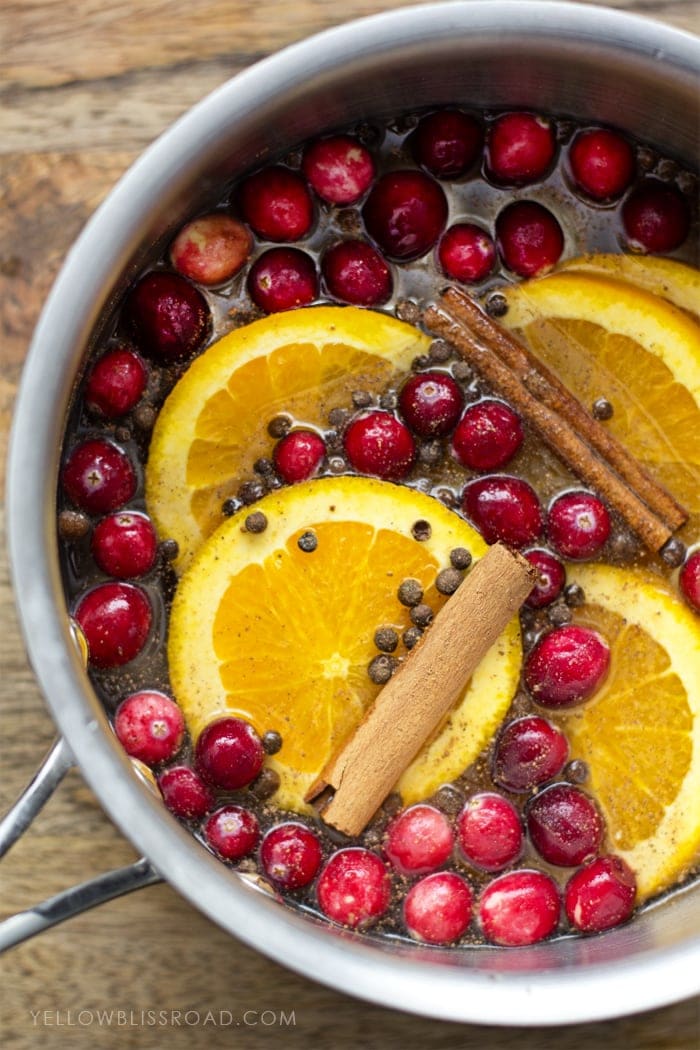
x=588, y=62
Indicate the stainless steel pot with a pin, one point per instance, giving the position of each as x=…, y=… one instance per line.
x=585, y=61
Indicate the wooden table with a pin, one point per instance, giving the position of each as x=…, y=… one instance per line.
x=85, y=86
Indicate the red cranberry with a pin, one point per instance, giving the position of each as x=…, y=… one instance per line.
x=184, y=793
x=564, y=825
x=277, y=204
x=298, y=454
x=656, y=217
x=551, y=577
x=290, y=855
x=431, y=402
x=578, y=525
x=125, y=544
x=232, y=832
x=600, y=895
x=98, y=477
x=689, y=581
x=115, y=619
x=447, y=143
x=519, y=908
x=529, y=752
x=503, y=508
x=405, y=214
x=149, y=726
x=438, y=909
x=356, y=273
x=116, y=382
x=211, y=249
x=520, y=148
x=466, y=253
x=354, y=887
x=419, y=840
x=170, y=317
x=487, y=436
x=283, y=278
x=229, y=754
x=602, y=163
x=340, y=169
x=380, y=444
x=567, y=666
x=530, y=239
x=489, y=831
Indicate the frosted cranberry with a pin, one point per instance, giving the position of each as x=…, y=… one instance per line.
x=211, y=249
x=405, y=213
x=489, y=831
x=520, y=148
x=530, y=240
x=578, y=525
x=228, y=753
x=98, y=477
x=115, y=619
x=380, y=444
x=283, y=278
x=656, y=217
x=356, y=273
x=298, y=454
x=125, y=544
x=602, y=163
x=419, y=840
x=529, y=752
x=600, y=895
x=447, y=143
x=354, y=888
x=185, y=793
x=521, y=907
x=564, y=825
x=689, y=581
x=551, y=577
x=232, y=832
x=438, y=909
x=567, y=666
x=503, y=508
x=466, y=253
x=431, y=403
x=116, y=382
x=149, y=726
x=340, y=169
x=277, y=204
x=169, y=316
x=487, y=436
x=290, y=855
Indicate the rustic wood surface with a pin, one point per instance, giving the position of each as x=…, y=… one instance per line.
x=83, y=88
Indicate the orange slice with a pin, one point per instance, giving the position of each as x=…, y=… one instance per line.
x=667, y=278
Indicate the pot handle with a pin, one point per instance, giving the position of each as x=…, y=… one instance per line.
x=77, y=899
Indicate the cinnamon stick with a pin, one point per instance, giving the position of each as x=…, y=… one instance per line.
x=412, y=704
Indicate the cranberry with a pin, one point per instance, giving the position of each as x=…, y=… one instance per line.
x=116, y=382
x=149, y=726
x=564, y=825
x=356, y=273
x=340, y=169
x=115, y=619
x=551, y=577
x=431, y=403
x=354, y=887
x=438, y=909
x=602, y=163
x=600, y=895
x=229, y=754
x=277, y=204
x=519, y=908
x=487, y=436
x=503, y=508
x=211, y=249
x=529, y=752
x=466, y=253
x=169, y=316
x=125, y=544
x=232, y=832
x=298, y=454
x=689, y=581
x=656, y=217
x=419, y=840
x=578, y=525
x=184, y=793
x=380, y=444
x=405, y=213
x=290, y=855
x=530, y=240
x=447, y=143
x=567, y=666
x=489, y=831
x=283, y=278
x=520, y=148
x=98, y=477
